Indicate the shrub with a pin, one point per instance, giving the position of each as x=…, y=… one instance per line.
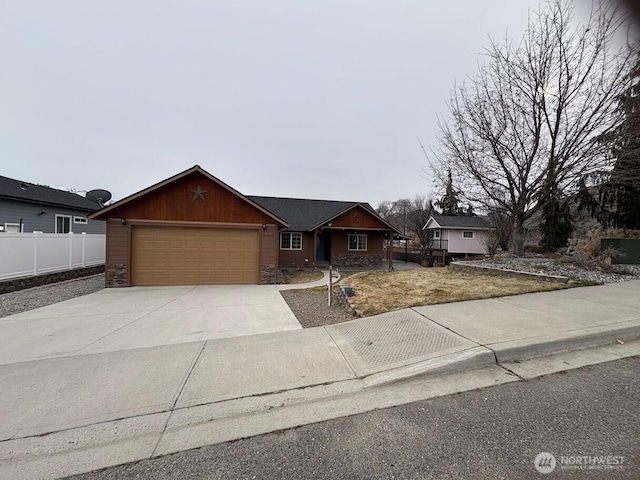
x=590, y=244
x=533, y=248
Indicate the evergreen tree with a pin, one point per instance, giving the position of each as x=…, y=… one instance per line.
x=470, y=212
x=556, y=226
x=618, y=202
x=449, y=204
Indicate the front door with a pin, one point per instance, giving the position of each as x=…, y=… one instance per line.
x=323, y=252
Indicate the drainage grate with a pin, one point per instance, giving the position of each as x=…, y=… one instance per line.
x=393, y=337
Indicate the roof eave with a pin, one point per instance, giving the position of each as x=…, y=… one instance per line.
x=434, y=221
x=195, y=168
x=44, y=202
x=357, y=204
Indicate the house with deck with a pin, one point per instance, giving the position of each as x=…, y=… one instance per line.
x=456, y=236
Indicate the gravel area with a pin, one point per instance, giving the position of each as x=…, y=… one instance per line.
x=311, y=309
x=546, y=266
x=36, y=297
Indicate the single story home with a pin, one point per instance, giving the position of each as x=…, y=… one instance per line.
x=26, y=207
x=458, y=235
x=193, y=228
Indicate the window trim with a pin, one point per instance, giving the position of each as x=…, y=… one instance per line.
x=468, y=238
x=290, y=235
x=358, y=236
x=59, y=215
x=436, y=234
x=80, y=220
x=12, y=224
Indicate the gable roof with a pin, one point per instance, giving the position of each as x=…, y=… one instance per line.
x=196, y=168
x=451, y=221
x=28, y=192
x=306, y=214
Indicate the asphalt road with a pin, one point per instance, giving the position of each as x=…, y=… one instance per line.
x=494, y=433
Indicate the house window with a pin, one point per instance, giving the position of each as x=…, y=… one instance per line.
x=290, y=241
x=82, y=220
x=357, y=241
x=436, y=234
x=13, y=228
x=63, y=223
x=467, y=234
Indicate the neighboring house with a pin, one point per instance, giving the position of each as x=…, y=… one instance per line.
x=458, y=235
x=25, y=207
x=193, y=228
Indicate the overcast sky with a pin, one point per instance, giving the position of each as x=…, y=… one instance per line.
x=319, y=99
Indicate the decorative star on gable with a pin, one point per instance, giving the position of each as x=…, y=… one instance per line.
x=198, y=193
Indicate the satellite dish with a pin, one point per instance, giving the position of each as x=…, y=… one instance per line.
x=98, y=196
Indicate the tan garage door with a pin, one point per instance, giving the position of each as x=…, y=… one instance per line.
x=194, y=256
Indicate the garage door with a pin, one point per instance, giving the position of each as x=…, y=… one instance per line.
x=194, y=256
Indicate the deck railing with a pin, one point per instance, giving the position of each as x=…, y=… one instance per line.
x=439, y=244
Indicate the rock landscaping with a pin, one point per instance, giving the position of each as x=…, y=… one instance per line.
x=311, y=309
x=24, y=300
x=577, y=269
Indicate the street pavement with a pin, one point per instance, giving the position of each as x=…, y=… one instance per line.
x=492, y=433
x=77, y=411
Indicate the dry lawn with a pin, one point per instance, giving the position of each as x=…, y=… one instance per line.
x=302, y=276
x=380, y=291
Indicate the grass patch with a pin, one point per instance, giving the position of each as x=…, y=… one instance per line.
x=380, y=291
x=302, y=276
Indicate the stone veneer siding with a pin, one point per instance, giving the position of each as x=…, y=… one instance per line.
x=267, y=274
x=16, y=284
x=116, y=276
x=343, y=260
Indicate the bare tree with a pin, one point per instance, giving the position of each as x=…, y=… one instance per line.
x=526, y=126
x=408, y=215
x=421, y=209
x=502, y=226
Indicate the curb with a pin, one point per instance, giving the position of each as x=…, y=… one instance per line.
x=497, y=354
x=474, y=357
x=547, y=345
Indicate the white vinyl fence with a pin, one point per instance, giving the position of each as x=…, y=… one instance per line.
x=26, y=254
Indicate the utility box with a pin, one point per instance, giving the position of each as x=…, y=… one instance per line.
x=629, y=249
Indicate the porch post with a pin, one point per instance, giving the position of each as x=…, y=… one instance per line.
x=390, y=249
x=315, y=247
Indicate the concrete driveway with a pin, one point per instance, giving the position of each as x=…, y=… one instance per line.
x=139, y=317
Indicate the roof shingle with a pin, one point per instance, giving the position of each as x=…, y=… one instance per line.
x=24, y=191
x=461, y=222
x=304, y=214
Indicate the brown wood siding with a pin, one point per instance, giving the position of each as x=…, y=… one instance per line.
x=117, y=243
x=295, y=258
x=358, y=217
x=175, y=202
x=269, y=247
x=340, y=244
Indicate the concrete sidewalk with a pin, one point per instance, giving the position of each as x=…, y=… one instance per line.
x=76, y=413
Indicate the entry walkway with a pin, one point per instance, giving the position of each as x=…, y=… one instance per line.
x=397, y=265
